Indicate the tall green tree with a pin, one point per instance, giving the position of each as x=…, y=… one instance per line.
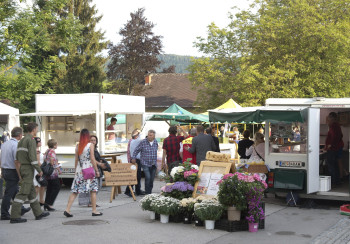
x=135, y=55
x=85, y=67
x=277, y=49
x=38, y=39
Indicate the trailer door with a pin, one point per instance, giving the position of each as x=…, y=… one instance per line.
x=313, y=150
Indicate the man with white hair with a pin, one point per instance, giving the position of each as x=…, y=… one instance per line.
x=148, y=158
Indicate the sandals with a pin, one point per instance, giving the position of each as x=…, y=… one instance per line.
x=97, y=214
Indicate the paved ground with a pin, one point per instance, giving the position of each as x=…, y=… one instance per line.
x=124, y=222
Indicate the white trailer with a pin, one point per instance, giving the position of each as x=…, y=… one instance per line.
x=8, y=118
x=63, y=116
x=291, y=159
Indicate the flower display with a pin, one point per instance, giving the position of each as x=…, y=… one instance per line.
x=165, y=205
x=255, y=211
x=208, y=209
x=146, y=201
x=187, y=205
x=234, y=189
x=185, y=172
x=178, y=190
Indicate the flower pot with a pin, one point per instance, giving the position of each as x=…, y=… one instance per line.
x=152, y=215
x=253, y=227
x=209, y=224
x=233, y=214
x=164, y=218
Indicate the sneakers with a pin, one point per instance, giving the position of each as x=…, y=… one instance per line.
x=17, y=221
x=42, y=215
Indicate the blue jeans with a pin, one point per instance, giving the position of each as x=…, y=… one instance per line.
x=332, y=165
x=150, y=173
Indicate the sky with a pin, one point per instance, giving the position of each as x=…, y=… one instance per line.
x=179, y=22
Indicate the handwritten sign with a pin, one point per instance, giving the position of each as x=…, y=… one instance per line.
x=209, y=174
x=122, y=174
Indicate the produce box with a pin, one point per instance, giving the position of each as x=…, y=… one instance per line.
x=256, y=169
x=218, y=157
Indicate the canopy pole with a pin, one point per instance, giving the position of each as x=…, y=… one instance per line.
x=245, y=126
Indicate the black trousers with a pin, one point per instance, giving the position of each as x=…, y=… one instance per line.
x=53, y=188
x=138, y=186
x=11, y=178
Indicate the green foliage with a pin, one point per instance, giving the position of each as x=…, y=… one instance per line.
x=276, y=49
x=37, y=42
x=233, y=191
x=136, y=54
x=84, y=65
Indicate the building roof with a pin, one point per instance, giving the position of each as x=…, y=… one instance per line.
x=168, y=88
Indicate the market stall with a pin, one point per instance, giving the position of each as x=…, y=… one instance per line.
x=294, y=132
x=63, y=116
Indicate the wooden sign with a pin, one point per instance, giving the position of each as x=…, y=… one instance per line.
x=209, y=174
x=122, y=174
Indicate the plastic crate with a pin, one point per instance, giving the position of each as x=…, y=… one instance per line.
x=176, y=218
x=234, y=226
x=325, y=183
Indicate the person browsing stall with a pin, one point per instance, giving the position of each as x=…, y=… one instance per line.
x=10, y=172
x=133, y=143
x=244, y=144
x=258, y=149
x=148, y=158
x=201, y=144
x=171, y=145
x=26, y=155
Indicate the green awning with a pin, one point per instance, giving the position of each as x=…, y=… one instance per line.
x=259, y=115
x=179, y=114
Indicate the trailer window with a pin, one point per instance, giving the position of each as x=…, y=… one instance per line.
x=288, y=138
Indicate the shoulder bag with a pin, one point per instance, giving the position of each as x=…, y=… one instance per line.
x=258, y=154
x=88, y=173
x=46, y=167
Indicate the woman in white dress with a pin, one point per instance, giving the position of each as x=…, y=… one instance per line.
x=38, y=188
x=84, y=158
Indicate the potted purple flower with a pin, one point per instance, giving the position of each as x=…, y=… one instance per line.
x=178, y=190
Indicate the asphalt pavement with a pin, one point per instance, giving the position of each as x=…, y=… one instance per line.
x=123, y=221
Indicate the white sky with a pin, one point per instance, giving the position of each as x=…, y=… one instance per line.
x=179, y=22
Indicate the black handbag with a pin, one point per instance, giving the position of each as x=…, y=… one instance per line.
x=47, y=168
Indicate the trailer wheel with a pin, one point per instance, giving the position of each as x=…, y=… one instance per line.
x=67, y=181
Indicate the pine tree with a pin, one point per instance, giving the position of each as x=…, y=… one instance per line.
x=135, y=55
x=85, y=67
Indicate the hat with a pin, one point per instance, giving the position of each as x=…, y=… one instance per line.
x=135, y=132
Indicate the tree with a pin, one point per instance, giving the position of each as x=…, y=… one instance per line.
x=37, y=40
x=277, y=49
x=85, y=67
x=136, y=53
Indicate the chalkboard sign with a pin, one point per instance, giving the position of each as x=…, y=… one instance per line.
x=209, y=174
x=122, y=174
